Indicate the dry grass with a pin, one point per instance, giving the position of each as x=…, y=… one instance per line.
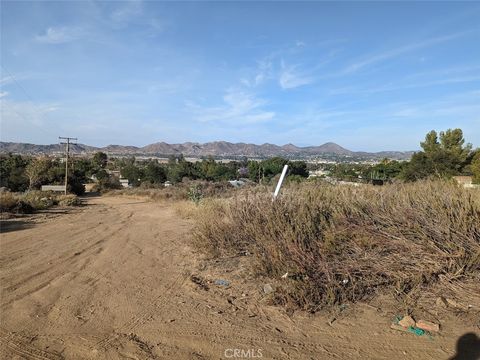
x=7, y=201
x=341, y=244
x=34, y=200
x=178, y=192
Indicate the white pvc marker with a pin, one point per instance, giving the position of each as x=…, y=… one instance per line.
x=280, y=181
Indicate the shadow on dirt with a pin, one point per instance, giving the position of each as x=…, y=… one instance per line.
x=14, y=225
x=468, y=347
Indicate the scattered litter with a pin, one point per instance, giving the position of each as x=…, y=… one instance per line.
x=415, y=330
x=427, y=326
x=200, y=282
x=341, y=308
x=222, y=282
x=407, y=321
x=267, y=288
x=345, y=281
x=284, y=276
x=331, y=321
x=418, y=328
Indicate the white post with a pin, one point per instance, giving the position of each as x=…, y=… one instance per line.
x=279, y=185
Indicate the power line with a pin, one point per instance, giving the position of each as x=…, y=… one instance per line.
x=37, y=109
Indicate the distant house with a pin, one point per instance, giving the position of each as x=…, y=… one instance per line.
x=113, y=173
x=59, y=188
x=124, y=183
x=167, y=184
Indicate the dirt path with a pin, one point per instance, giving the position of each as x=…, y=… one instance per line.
x=112, y=281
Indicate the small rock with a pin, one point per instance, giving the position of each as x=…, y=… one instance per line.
x=267, y=288
x=428, y=326
x=407, y=321
x=441, y=302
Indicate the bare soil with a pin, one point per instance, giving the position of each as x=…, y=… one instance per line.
x=118, y=279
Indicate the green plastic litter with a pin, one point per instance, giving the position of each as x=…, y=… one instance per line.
x=416, y=331
x=413, y=329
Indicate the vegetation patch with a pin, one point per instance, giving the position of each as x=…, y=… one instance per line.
x=194, y=191
x=28, y=202
x=334, y=244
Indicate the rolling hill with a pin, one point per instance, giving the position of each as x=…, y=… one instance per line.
x=193, y=149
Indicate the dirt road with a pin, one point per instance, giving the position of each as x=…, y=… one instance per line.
x=111, y=280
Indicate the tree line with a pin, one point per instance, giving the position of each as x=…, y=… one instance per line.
x=21, y=173
x=443, y=154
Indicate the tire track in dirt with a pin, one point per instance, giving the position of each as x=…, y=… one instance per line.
x=53, y=269
x=19, y=346
x=119, y=288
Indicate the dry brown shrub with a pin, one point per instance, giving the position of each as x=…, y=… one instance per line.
x=341, y=243
x=7, y=201
x=178, y=192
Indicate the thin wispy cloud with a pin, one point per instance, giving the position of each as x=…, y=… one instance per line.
x=393, y=53
x=291, y=77
x=25, y=112
x=406, y=85
x=60, y=35
x=300, y=43
x=127, y=11
x=238, y=106
x=6, y=80
x=474, y=69
x=261, y=73
x=121, y=65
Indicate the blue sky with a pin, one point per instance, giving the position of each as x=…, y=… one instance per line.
x=368, y=75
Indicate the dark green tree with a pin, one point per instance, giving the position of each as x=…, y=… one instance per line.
x=298, y=168
x=100, y=160
x=133, y=173
x=442, y=156
x=475, y=167
x=12, y=172
x=154, y=173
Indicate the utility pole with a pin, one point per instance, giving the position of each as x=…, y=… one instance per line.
x=67, y=151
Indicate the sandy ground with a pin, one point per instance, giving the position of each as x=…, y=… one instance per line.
x=112, y=280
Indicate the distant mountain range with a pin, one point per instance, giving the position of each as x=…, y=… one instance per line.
x=216, y=149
